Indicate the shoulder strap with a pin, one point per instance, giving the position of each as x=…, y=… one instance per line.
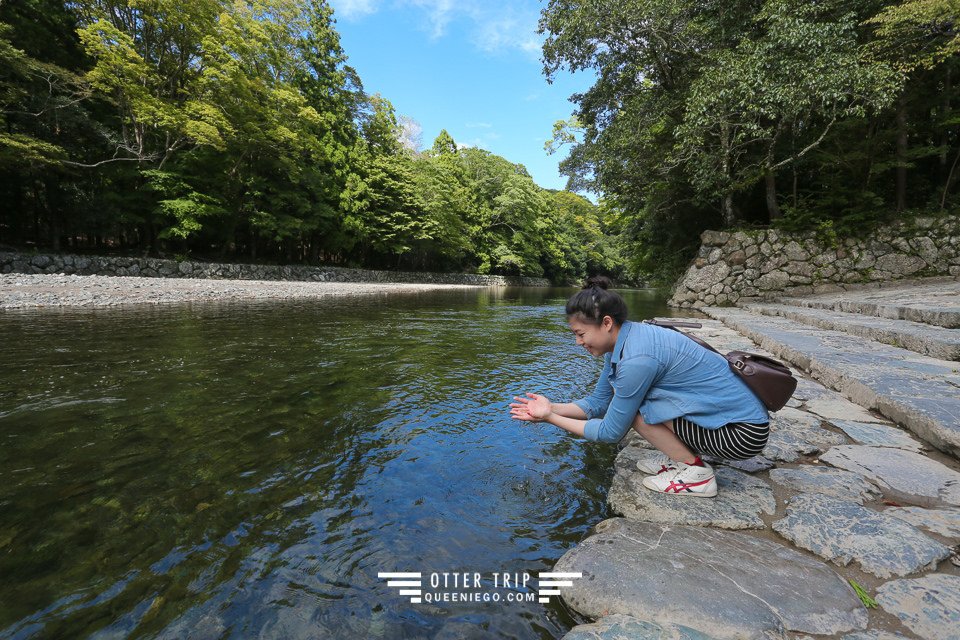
x=673, y=325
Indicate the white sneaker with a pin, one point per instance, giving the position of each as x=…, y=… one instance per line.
x=685, y=480
x=656, y=464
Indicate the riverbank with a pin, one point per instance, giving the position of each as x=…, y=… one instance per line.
x=842, y=498
x=84, y=265
x=26, y=291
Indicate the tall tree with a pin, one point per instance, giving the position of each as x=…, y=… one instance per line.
x=757, y=108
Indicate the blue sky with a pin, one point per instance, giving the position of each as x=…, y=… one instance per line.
x=471, y=67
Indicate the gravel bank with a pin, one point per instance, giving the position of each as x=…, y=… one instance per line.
x=22, y=291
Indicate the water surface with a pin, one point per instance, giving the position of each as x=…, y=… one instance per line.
x=237, y=470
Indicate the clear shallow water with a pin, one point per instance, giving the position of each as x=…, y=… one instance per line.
x=245, y=470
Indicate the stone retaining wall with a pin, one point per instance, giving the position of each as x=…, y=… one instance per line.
x=12, y=262
x=767, y=263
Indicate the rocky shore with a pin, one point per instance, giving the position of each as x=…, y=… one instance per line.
x=841, y=496
x=26, y=291
x=84, y=265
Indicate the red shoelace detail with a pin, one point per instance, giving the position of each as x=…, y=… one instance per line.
x=676, y=486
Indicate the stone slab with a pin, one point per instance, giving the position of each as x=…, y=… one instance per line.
x=878, y=435
x=916, y=391
x=936, y=303
x=634, y=439
x=873, y=635
x=839, y=408
x=750, y=465
x=945, y=522
x=928, y=606
x=842, y=531
x=808, y=388
x=838, y=483
x=725, y=584
x=903, y=475
x=622, y=627
x=795, y=433
x=935, y=341
x=740, y=500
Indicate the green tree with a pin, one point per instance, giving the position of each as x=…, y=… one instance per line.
x=757, y=108
x=46, y=127
x=444, y=144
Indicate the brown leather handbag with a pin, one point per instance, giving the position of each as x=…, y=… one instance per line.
x=769, y=379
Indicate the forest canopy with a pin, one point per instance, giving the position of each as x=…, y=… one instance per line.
x=832, y=116
x=235, y=129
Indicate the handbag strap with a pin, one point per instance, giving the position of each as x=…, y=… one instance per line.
x=674, y=325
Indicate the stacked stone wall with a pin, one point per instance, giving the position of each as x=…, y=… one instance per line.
x=734, y=267
x=13, y=262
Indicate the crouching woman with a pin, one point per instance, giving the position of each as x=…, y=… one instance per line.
x=683, y=399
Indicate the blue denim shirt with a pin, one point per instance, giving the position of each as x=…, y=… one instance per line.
x=665, y=375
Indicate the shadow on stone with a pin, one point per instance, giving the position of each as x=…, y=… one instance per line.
x=740, y=501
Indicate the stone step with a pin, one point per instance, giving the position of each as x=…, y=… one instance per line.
x=919, y=392
x=936, y=302
x=698, y=582
x=934, y=341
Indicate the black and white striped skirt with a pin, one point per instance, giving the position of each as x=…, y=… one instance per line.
x=734, y=441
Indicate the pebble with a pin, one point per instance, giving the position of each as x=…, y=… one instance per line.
x=26, y=291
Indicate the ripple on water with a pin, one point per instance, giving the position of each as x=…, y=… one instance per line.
x=253, y=467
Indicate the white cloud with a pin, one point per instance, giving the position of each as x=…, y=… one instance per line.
x=495, y=26
x=478, y=125
x=439, y=13
x=354, y=9
x=504, y=27
x=476, y=143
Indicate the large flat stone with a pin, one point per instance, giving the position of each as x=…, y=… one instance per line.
x=724, y=584
x=928, y=606
x=839, y=408
x=903, y=475
x=916, y=391
x=634, y=439
x=750, y=465
x=621, y=627
x=938, y=342
x=877, y=435
x=935, y=301
x=808, y=389
x=740, y=500
x=843, y=531
x=795, y=433
x=946, y=522
x=838, y=483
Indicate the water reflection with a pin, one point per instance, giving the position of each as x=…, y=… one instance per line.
x=246, y=470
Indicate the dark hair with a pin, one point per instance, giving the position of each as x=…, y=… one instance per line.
x=593, y=302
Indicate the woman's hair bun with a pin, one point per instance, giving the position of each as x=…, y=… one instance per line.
x=594, y=302
x=600, y=282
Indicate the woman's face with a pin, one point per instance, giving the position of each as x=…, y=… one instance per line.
x=597, y=339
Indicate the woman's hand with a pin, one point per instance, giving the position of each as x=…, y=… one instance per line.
x=533, y=408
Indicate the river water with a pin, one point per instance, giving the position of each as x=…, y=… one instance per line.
x=244, y=470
